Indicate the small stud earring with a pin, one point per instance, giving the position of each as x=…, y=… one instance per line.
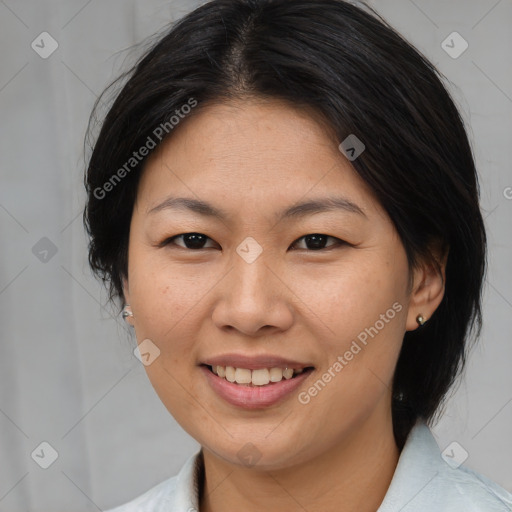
x=421, y=319
x=399, y=396
x=127, y=312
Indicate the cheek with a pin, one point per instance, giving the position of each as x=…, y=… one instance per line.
x=364, y=311
x=165, y=301
x=360, y=309
x=163, y=295
x=351, y=296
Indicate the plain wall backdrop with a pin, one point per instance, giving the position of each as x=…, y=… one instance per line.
x=68, y=376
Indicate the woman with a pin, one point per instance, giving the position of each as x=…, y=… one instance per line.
x=284, y=199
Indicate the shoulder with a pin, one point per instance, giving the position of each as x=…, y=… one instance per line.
x=471, y=491
x=155, y=499
x=424, y=481
x=176, y=493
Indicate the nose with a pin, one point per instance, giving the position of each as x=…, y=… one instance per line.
x=253, y=300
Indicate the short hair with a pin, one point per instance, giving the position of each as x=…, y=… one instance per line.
x=346, y=64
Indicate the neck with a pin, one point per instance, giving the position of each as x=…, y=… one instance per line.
x=352, y=476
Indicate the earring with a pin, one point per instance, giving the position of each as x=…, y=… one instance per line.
x=421, y=319
x=127, y=312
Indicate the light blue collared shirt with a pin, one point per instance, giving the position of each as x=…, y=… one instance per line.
x=423, y=482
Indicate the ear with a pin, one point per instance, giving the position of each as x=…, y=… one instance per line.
x=428, y=287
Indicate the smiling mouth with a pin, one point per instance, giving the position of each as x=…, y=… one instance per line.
x=258, y=377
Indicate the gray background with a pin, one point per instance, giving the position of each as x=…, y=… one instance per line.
x=68, y=374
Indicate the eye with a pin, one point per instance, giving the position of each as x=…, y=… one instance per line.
x=192, y=241
x=317, y=241
x=197, y=241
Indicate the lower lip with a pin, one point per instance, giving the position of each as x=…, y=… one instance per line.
x=254, y=397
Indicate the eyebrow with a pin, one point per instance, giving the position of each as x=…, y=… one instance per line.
x=320, y=205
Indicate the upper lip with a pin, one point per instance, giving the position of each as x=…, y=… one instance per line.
x=254, y=362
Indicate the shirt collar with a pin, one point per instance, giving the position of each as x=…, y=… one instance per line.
x=420, y=462
x=188, y=484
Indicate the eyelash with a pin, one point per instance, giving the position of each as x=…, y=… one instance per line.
x=339, y=242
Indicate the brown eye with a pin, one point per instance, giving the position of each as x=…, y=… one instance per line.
x=317, y=241
x=193, y=241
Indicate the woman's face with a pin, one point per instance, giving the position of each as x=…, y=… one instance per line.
x=252, y=290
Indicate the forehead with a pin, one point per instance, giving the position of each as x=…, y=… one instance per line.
x=255, y=153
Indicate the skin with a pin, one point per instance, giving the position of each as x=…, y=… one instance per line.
x=254, y=159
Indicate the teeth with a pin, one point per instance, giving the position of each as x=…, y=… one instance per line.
x=230, y=373
x=242, y=376
x=276, y=374
x=288, y=373
x=260, y=377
